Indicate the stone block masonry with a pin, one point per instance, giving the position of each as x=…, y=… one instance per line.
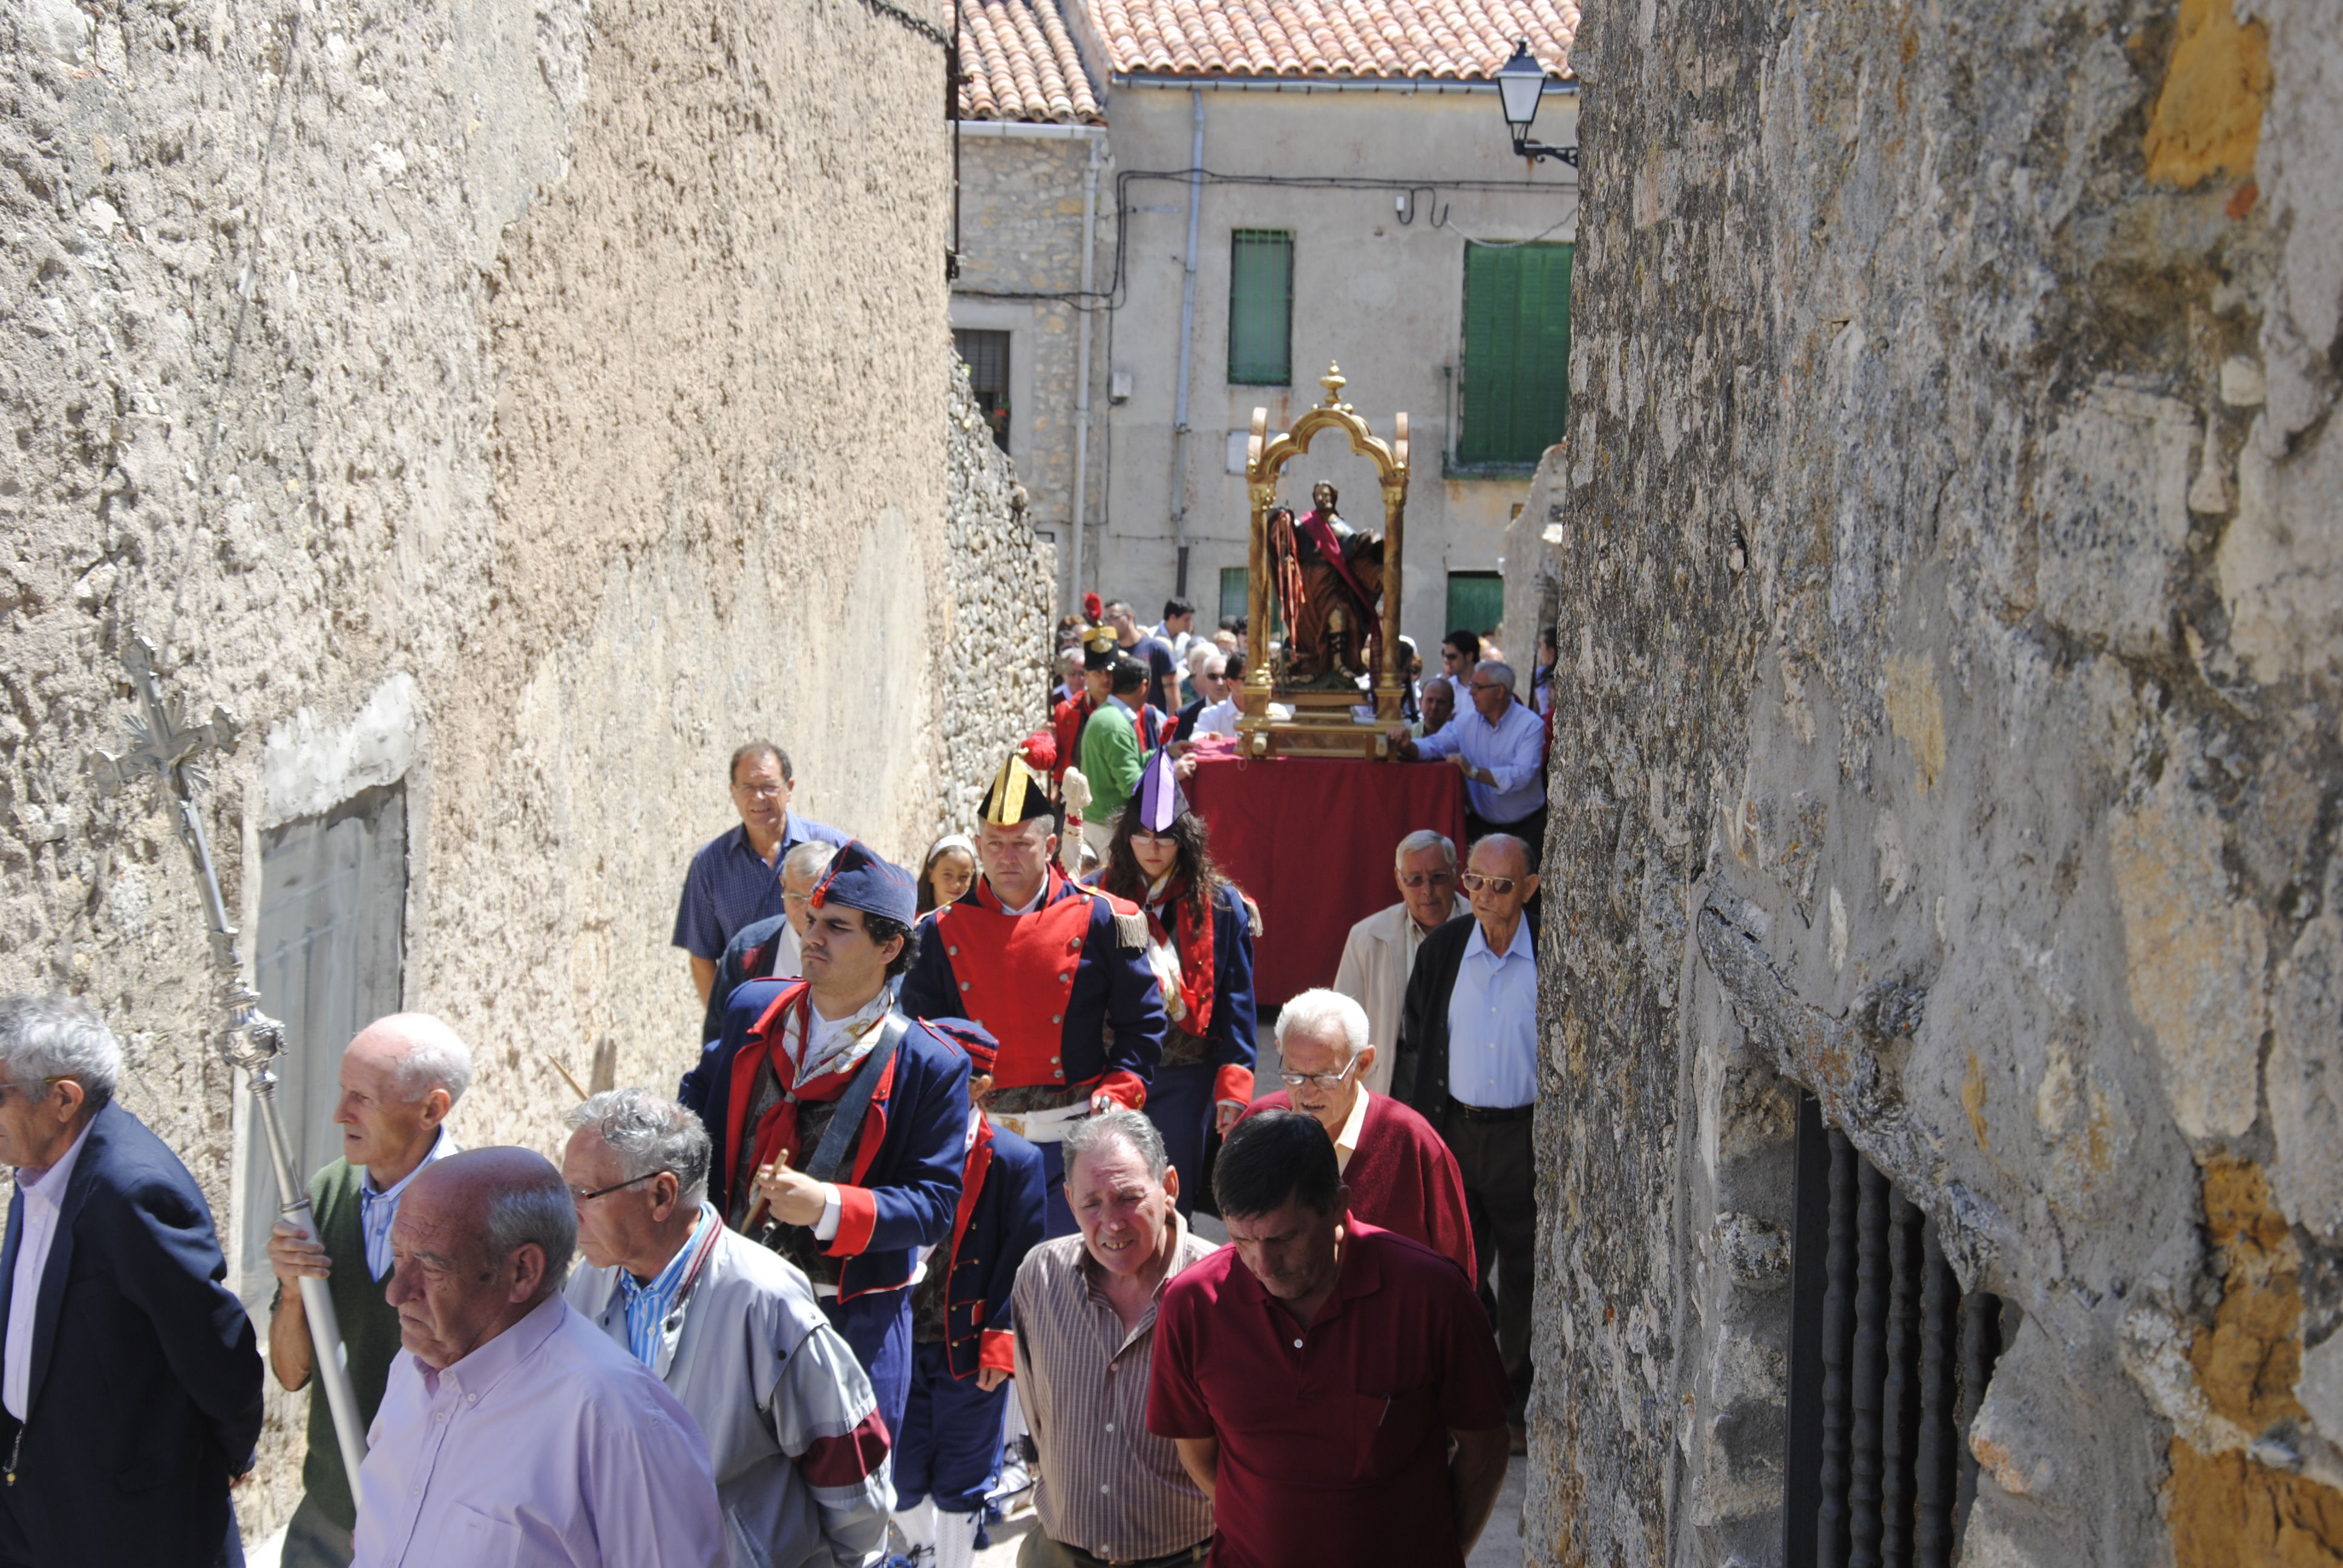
x=1947, y=724
x=519, y=404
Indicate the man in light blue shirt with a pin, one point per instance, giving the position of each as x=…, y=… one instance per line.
x=1499, y=748
x=1468, y=1063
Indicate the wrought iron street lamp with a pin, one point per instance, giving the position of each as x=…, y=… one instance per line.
x=1521, y=83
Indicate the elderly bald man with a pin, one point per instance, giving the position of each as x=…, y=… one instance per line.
x=514, y=1430
x=400, y=1078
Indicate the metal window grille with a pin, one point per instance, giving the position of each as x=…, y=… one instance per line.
x=1261, y=307
x=986, y=357
x=1516, y=392
x=1888, y=1366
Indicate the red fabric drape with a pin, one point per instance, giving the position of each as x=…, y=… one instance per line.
x=1310, y=840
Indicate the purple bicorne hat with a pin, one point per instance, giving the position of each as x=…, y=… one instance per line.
x=1159, y=799
x=858, y=879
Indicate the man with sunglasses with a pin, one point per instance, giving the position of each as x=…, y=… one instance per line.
x=1402, y=1177
x=1468, y=1060
x=793, y=1432
x=1379, y=954
x=1499, y=748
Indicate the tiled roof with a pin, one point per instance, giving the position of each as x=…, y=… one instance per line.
x=1019, y=63
x=1451, y=40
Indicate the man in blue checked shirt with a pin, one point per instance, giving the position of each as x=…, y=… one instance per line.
x=1499, y=748
x=735, y=880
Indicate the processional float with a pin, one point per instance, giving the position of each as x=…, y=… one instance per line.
x=164, y=745
x=1336, y=600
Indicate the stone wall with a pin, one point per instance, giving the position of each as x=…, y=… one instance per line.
x=1947, y=723
x=521, y=402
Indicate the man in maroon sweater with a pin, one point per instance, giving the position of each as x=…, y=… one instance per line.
x=1401, y=1175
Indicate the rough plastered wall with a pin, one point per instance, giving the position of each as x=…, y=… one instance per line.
x=1948, y=722
x=524, y=400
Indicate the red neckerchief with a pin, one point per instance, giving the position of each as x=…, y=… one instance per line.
x=989, y=899
x=1194, y=948
x=777, y=1128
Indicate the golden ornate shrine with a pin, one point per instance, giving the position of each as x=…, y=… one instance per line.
x=1323, y=723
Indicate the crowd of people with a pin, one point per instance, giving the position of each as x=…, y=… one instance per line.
x=911, y=1242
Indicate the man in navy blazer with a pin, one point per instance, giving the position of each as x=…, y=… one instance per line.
x=130, y=1385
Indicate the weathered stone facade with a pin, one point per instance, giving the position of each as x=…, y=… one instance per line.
x=1947, y=723
x=522, y=403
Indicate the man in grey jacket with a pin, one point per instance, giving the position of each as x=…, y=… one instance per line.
x=793, y=1432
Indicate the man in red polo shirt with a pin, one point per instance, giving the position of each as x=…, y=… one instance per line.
x=1331, y=1363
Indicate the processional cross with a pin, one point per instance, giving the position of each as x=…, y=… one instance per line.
x=164, y=745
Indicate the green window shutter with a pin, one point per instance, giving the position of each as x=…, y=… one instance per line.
x=1232, y=592
x=1476, y=601
x=1516, y=352
x=1261, y=307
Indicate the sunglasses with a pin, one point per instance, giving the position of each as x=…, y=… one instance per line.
x=1420, y=879
x=1474, y=883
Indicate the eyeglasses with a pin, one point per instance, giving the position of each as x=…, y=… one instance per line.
x=614, y=1186
x=1420, y=879
x=769, y=791
x=1475, y=882
x=1141, y=836
x=26, y=1089
x=1322, y=1080
x=1488, y=685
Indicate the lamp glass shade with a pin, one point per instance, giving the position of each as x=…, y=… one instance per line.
x=1520, y=82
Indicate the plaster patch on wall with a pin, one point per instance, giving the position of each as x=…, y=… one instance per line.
x=308, y=766
x=2281, y=580
x=2192, y=958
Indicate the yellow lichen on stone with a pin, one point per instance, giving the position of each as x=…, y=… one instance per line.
x=2208, y=118
x=2227, y=1512
x=1915, y=710
x=2248, y=1358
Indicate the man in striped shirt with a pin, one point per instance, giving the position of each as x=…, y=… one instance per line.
x=1110, y=1491
x=793, y=1432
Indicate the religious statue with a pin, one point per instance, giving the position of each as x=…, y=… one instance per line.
x=1329, y=583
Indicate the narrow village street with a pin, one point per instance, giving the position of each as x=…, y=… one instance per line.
x=1496, y=784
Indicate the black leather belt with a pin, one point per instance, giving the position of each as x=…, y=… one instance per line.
x=1485, y=1113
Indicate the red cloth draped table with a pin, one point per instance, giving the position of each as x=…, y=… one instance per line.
x=1312, y=840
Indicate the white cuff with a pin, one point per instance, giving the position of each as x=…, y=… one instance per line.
x=826, y=1228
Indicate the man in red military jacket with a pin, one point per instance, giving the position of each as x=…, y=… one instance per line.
x=1057, y=972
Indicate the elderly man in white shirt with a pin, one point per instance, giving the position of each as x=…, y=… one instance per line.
x=1379, y=954
x=515, y=1432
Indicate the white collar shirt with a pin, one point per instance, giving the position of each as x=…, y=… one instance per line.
x=376, y=1210
x=44, y=1196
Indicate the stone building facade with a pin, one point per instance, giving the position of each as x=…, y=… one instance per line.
x=505, y=411
x=1948, y=729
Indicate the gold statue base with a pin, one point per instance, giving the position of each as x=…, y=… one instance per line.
x=1324, y=725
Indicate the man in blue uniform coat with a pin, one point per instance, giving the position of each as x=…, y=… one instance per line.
x=839, y=1123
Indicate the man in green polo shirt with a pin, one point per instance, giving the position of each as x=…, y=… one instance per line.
x=400, y=1078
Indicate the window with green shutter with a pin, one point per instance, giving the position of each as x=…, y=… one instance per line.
x=1516, y=352
x=1261, y=307
x=1234, y=591
x=1476, y=601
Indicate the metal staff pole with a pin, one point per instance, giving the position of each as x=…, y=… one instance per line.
x=249, y=1037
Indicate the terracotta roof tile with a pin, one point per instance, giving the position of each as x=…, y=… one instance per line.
x=1450, y=40
x=1019, y=63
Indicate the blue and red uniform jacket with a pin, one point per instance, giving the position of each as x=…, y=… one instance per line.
x=1002, y=1205
x=1049, y=992
x=902, y=1191
x=747, y=956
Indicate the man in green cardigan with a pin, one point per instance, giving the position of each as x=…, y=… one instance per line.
x=1113, y=751
x=400, y=1078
